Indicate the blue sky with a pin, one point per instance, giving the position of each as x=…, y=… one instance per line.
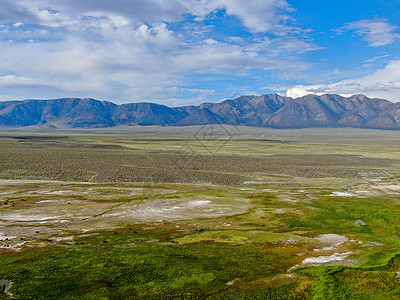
x=179, y=52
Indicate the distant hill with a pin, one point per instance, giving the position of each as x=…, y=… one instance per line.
x=270, y=110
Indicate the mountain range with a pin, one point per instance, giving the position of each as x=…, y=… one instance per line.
x=270, y=110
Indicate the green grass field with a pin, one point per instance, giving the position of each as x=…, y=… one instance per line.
x=144, y=213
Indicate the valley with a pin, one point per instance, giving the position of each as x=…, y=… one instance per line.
x=127, y=214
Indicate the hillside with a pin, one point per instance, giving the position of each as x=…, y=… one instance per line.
x=270, y=110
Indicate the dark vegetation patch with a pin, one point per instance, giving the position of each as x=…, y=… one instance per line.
x=54, y=141
x=36, y=138
x=197, y=271
x=342, y=283
x=263, y=140
x=380, y=217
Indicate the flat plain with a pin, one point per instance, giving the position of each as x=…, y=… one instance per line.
x=206, y=212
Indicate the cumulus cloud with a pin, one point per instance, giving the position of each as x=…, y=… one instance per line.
x=377, y=32
x=126, y=48
x=384, y=83
x=139, y=59
x=60, y=12
x=256, y=15
x=13, y=11
x=7, y=80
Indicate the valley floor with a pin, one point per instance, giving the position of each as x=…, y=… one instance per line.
x=128, y=215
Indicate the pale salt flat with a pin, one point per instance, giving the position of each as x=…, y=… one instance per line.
x=365, y=193
x=199, y=203
x=60, y=192
x=359, y=223
x=177, y=209
x=57, y=211
x=319, y=260
x=26, y=217
x=330, y=241
x=343, y=194
x=391, y=187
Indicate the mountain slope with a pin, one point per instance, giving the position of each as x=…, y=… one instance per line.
x=266, y=110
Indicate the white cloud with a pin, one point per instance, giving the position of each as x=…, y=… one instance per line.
x=377, y=32
x=60, y=12
x=140, y=62
x=13, y=11
x=6, y=97
x=300, y=91
x=11, y=79
x=176, y=89
x=256, y=15
x=374, y=59
x=384, y=83
x=125, y=48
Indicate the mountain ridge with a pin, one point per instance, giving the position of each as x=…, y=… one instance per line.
x=269, y=110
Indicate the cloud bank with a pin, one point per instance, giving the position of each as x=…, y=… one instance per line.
x=155, y=50
x=384, y=83
x=130, y=49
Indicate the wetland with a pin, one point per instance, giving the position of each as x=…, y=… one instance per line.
x=162, y=213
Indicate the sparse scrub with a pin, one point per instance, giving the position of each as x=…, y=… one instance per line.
x=156, y=223
x=73, y=161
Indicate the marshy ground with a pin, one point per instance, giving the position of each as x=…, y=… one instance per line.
x=156, y=215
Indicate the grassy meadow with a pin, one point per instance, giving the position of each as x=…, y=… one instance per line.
x=200, y=213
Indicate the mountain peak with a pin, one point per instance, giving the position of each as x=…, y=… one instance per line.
x=269, y=110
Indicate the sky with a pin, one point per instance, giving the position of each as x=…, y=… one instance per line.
x=181, y=52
